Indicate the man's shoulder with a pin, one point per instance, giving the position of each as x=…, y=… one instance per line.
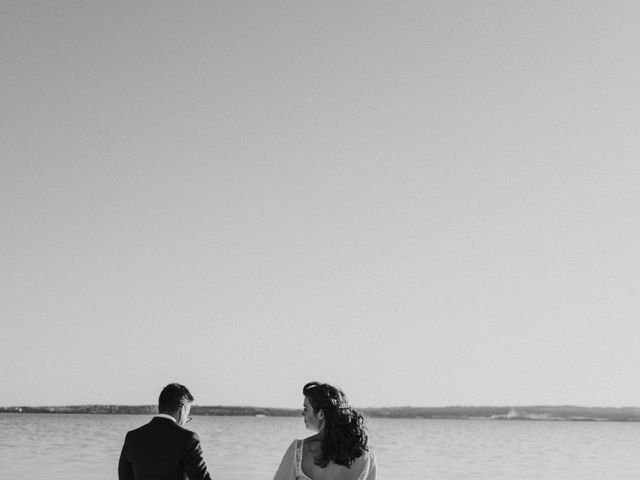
x=167, y=426
x=186, y=433
x=154, y=424
x=139, y=431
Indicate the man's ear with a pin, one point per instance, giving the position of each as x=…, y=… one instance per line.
x=320, y=414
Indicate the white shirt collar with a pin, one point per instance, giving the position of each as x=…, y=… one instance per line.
x=164, y=415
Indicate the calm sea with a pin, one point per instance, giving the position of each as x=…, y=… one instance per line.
x=86, y=447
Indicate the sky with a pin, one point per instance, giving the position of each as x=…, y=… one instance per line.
x=426, y=203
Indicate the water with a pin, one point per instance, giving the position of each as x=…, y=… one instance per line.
x=86, y=447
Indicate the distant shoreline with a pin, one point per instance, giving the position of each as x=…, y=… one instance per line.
x=534, y=413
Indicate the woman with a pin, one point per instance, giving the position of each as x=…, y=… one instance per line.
x=339, y=450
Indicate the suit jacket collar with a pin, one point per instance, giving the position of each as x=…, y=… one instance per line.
x=164, y=415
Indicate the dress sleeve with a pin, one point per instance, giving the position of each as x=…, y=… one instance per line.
x=287, y=468
x=373, y=467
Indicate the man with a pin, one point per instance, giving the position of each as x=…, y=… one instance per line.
x=162, y=449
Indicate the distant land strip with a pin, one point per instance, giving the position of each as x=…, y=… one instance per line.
x=562, y=413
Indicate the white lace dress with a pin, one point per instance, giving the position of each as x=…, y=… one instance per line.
x=291, y=465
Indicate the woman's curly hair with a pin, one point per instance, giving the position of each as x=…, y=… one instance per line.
x=344, y=435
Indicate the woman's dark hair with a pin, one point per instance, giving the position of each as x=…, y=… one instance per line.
x=344, y=435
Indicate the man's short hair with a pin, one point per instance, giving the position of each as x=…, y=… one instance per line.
x=172, y=397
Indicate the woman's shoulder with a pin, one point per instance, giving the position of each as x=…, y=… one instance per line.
x=365, y=464
x=311, y=445
x=368, y=456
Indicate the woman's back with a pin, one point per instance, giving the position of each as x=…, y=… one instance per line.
x=362, y=468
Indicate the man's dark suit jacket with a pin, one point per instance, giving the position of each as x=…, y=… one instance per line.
x=162, y=450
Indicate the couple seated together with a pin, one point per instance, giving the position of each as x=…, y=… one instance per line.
x=164, y=450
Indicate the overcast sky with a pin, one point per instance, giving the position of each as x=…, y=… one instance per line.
x=427, y=203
